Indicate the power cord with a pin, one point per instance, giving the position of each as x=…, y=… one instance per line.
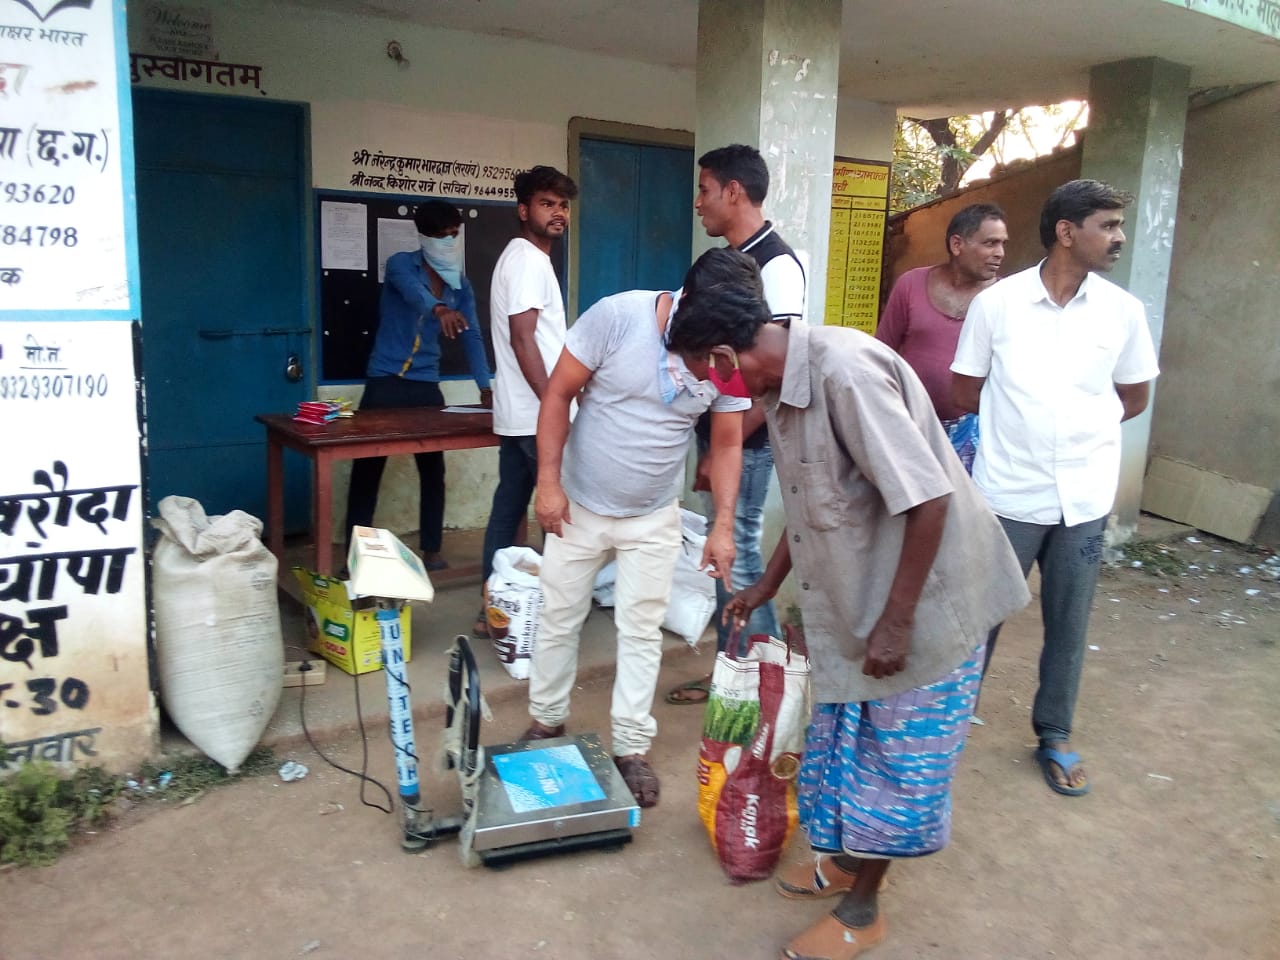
x=363, y=773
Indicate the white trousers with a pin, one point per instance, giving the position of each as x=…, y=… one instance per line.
x=646, y=549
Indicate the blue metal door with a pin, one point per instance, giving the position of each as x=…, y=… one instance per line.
x=634, y=216
x=225, y=300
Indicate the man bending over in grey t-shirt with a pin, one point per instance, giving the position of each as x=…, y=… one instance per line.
x=608, y=488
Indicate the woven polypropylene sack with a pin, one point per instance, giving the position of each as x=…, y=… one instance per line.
x=218, y=644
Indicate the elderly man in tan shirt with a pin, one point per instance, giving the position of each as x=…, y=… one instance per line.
x=902, y=570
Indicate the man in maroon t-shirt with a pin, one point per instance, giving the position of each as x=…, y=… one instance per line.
x=926, y=309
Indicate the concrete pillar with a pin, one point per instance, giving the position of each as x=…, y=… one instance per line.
x=1137, y=115
x=767, y=75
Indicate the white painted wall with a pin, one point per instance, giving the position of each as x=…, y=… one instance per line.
x=864, y=130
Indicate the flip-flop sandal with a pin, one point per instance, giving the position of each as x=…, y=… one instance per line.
x=640, y=778
x=1045, y=756
x=687, y=693
x=829, y=939
x=480, y=629
x=814, y=879
x=817, y=879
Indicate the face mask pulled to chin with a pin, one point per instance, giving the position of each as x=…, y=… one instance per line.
x=732, y=386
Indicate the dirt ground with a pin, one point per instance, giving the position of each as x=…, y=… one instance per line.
x=1174, y=854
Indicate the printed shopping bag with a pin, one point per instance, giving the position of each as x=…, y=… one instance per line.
x=752, y=738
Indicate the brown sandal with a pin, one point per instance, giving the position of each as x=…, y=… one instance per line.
x=817, y=878
x=696, y=692
x=640, y=778
x=540, y=731
x=829, y=939
x=814, y=879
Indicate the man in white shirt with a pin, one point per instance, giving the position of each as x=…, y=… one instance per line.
x=527, y=321
x=1052, y=360
x=733, y=182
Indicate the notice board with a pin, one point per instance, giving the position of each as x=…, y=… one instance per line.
x=356, y=232
x=859, y=212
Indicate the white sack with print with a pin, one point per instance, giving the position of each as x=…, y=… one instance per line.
x=693, y=593
x=513, y=606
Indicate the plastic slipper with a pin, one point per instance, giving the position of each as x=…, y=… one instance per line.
x=1046, y=756
x=817, y=878
x=639, y=777
x=687, y=693
x=829, y=939
x=480, y=629
x=814, y=879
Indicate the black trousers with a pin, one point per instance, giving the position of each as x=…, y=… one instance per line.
x=381, y=393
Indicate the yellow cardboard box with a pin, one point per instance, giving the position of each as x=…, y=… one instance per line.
x=340, y=632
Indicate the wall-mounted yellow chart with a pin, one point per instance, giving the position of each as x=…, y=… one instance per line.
x=859, y=210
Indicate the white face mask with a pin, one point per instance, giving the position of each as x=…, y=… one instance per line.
x=444, y=256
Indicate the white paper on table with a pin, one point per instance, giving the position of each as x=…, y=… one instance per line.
x=466, y=410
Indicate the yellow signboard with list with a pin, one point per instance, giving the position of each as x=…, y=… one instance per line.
x=859, y=210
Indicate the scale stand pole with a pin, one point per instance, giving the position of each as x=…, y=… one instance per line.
x=417, y=821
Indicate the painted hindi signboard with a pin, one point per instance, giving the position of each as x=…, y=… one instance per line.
x=855, y=250
x=74, y=683
x=64, y=245
x=74, y=675
x=1260, y=16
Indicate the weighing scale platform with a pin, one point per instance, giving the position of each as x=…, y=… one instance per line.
x=550, y=796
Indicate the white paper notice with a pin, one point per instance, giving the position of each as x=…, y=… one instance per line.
x=62, y=237
x=394, y=236
x=344, y=236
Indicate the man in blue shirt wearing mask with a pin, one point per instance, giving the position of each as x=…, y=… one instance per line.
x=425, y=295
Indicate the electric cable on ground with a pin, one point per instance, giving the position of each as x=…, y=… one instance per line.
x=362, y=774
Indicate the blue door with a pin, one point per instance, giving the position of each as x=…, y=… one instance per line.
x=634, y=217
x=226, y=306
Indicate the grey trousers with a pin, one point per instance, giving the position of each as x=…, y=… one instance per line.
x=1069, y=559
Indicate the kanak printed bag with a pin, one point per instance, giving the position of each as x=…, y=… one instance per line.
x=752, y=738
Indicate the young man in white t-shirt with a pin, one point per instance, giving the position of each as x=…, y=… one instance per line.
x=733, y=182
x=526, y=319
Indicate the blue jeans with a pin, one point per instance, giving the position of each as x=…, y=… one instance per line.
x=1069, y=559
x=517, y=477
x=748, y=531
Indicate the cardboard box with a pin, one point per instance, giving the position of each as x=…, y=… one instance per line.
x=341, y=628
x=1207, y=501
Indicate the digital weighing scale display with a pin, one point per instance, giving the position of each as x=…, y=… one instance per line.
x=545, y=778
x=543, y=796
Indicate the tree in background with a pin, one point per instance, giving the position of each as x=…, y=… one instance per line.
x=931, y=157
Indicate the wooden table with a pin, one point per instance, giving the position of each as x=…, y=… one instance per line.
x=370, y=433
